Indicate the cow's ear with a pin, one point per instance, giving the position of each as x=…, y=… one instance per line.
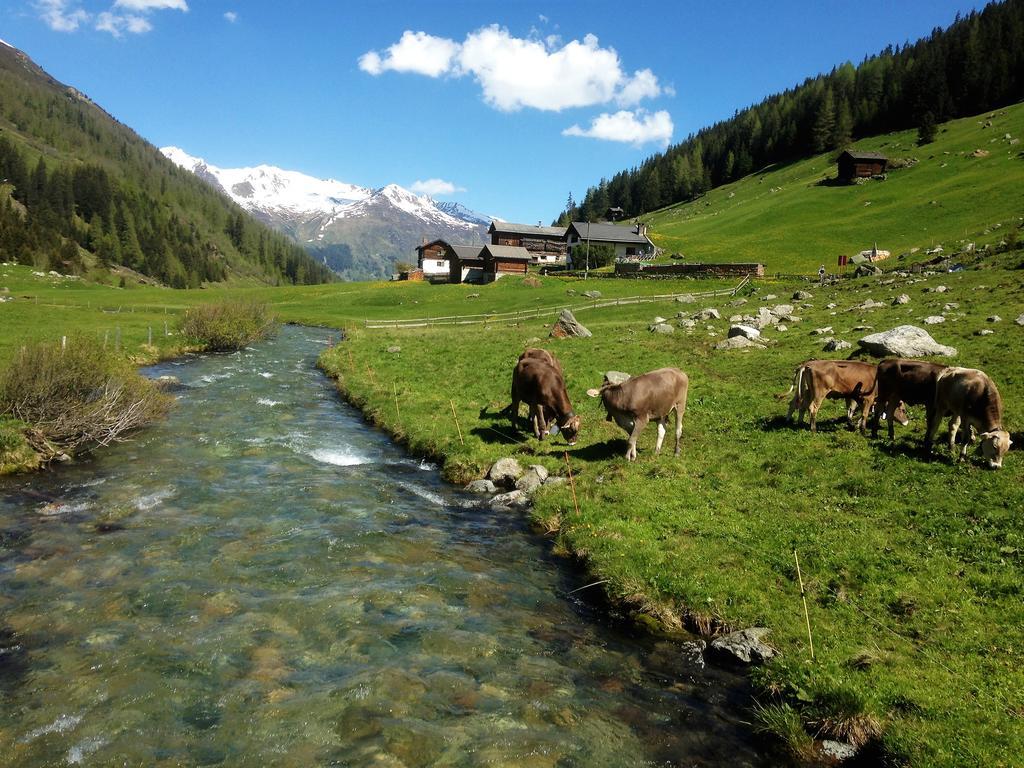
x=553, y=429
x=593, y=392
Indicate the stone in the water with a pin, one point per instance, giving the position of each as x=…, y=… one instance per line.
x=481, y=486
x=568, y=326
x=505, y=472
x=530, y=481
x=904, y=341
x=746, y=646
x=512, y=500
x=692, y=653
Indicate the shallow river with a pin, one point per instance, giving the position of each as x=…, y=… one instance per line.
x=264, y=580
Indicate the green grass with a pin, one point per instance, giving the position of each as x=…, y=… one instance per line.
x=913, y=566
x=784, y=219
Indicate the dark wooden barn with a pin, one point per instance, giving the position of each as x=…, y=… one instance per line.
x=854, y=164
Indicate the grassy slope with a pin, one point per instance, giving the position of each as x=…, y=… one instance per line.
x=800, y=225
x=913, y=566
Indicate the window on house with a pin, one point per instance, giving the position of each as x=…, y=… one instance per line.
x=440, y=263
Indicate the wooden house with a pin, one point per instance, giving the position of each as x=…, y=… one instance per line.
x=467, y=264
x=854, y=164
x=502, y=260
x=432, y=258
x=629, y=243
x=546, y=245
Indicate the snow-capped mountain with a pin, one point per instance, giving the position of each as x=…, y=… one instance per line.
x=359, y=232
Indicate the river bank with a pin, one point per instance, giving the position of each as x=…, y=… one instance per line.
x=898, y=592
x=263, y=575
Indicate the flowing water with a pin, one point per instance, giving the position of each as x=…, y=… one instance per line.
x=264, y=580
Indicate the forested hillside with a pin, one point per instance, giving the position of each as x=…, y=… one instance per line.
x=976, y=64
x=80, y=192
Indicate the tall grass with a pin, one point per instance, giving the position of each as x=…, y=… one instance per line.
x=227, y=325
x=76, y=396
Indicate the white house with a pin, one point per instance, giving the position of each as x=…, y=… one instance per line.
x=628, y=242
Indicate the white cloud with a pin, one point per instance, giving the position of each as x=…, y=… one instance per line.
x=117, y=24
x=415, y=52
x=434, y=187
x=152, y=5
x=635, y=128
x=515, y=72
x=59, y=17
x=231, y=16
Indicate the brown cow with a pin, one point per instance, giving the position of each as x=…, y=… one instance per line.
x=634, y=402
x=910, y=381
x=542, y=387
x=848, y=380
x=970, y=397
x=544, y=356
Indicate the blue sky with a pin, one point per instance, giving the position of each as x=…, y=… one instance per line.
x=504, y=106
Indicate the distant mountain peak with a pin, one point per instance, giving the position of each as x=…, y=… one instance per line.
x=379, y=226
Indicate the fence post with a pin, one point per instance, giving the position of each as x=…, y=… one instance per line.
x=150, y=342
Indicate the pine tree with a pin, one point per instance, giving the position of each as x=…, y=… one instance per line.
x=824, y=129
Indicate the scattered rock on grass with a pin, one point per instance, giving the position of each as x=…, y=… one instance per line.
x=745, y=331
x=934, y=319
x=394, y=349
x=904, y=341
x=738, y=342
x=745, y=645
x=802, y=295
x=901, y=299
x=710, y=313
x=686, y=298
x=568, y=326
x=836, y=345
x=994, y=319
x=592, y=294
x=822, y=331
x=984, y=332
x=1020, y=319
x=662, y=328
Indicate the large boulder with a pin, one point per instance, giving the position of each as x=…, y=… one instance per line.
x=802, y=295
x=866, y=270
x=662, y=328
x=568, y=326
x=505, y=472
x=530, y=481
x=904, y=341
x=744, y=330
x=746, y=646
x=710, y=313
x=738, y=342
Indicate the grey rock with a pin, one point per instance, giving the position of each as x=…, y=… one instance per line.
x=941, y=289
x=737, y=302
x=658, y=319
x=802, y=295
x=863, y=328
x=592, y=294
x=770, y=297
x=866, y=270
x=481, y=486
x=838, y=750
x=512, y=500
x=781, y=328
x=169, y=383
x=735, y=318
x=831, y=305
x=738, y=342
x=472, y=295
x=950, y=306
x=662, y=328
x=540, y=470
x=822, y=331
x=934, y=320
x=1020, y=319
x=836, y=345
x=556, y=480
x=692, y=653
x=744, y=330
x=904, y=341
x=505, y=472
x=568, y=326
x=687, y=323
x=394, y=349
x=686, y=298
x=994, y=319
x=746, y=646
x=870, y=304
x=570, y=291
x=901, y=299
x=710, y=313
x=984, y=332
x=529, y=482
x=615, y=377
x=781, y=310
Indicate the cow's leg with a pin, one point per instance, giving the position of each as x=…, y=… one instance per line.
x=798, y=398
x=890, y=408
x=869, y=403
x=680, y=410
x=638, y=427
x=661, y=434
x=851, y=409
x=954, y=427
x=813, y=409
x=934, y=420
x=515, y=409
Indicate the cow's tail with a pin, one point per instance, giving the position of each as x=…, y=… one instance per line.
x=797, y=382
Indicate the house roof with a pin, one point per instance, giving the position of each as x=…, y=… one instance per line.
x=606, y=233
x=859, y=155
x=467, y=252
x=421, y=248
x=508, y=252
x=526, y=229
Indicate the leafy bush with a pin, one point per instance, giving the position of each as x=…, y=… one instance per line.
x=228, y=325
x=76, y=397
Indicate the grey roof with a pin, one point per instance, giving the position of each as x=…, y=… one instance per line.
x=606, y=233
x=526, y=229
x=857, y=154
x=506, y=252
x=467, y=252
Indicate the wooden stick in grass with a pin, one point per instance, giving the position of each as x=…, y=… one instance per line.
x=803, y=597
x=572, y=485
x=456, y=417
x=398, y=411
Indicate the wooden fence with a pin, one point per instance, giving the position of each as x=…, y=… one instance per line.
x=528, y=314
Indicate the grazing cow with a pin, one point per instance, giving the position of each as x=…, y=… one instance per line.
x=848, y=380
x=634, y=402
x=910, y=381
x=544, y=356
x=541, y=386
x=970, y=397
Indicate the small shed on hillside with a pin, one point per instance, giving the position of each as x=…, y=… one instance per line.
x=505, y=260
x=467, y=263
x=545, y=244
x=854, y=164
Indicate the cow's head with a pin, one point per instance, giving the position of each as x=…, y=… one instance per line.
x=994, y=445
x=900, y=415
x=570, y=428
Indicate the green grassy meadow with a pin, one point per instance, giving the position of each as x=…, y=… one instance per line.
x=784, y=219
